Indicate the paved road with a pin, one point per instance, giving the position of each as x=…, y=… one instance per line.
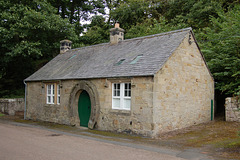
x=27, y=143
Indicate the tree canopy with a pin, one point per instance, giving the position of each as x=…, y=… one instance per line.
x=221, y=47
x=31, y=31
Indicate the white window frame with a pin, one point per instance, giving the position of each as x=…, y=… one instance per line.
x=122, y=97
x=52, y=93
x=58, y=94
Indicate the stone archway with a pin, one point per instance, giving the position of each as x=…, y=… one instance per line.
x=73, y=101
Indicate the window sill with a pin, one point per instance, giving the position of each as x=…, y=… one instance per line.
x=121, y=112
x=51, y=105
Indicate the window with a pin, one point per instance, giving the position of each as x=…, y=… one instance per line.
x=53, y=93
x=121, y=96
x=119, y=62
x=135, y=60
x=58, y=94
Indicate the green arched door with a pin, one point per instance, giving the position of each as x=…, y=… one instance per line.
x=84, y=108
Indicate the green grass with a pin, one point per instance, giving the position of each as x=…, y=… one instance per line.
x=2, y=114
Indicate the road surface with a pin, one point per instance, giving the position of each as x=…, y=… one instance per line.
x=31, y=143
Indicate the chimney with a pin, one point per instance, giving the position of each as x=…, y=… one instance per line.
x=65, y=45
x=116, y=34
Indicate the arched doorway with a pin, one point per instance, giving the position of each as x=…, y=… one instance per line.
x=84, y=108
x=92, y=92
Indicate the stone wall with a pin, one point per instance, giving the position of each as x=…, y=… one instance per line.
x=232, y=109
x=12, y=106
x=183, y=90
x=138, y=120
x=38, y=109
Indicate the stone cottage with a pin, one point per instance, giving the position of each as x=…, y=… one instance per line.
x=147, y=85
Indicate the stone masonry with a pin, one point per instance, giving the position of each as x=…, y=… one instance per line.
x=11, y=106
x=138, y=120
x=232, y=108
x=183, y=90
x=177, y=96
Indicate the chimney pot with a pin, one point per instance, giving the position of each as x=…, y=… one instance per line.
x=65, y=45
x=117, y=25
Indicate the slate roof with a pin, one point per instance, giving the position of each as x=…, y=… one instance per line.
x=100, y=61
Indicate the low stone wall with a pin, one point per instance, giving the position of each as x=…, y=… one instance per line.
x=232, y=108
x=12, y=106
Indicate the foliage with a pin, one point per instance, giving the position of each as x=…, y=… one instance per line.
x=130, y=13
x=30, y=30
x=98, y=32
x=194, y=13
x=222, y=49
x=152, y=26
x=76, y=11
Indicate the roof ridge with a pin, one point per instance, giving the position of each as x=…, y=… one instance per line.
x=160, y=34
x=137, y=38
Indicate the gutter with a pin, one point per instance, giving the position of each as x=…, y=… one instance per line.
x=25, y=99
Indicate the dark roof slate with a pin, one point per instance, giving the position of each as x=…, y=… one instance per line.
x=100, y=61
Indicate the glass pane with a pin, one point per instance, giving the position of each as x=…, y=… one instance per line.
x=118, y=92
x=53, y=99
x=126, y=93
x=130, y=86
x=58, y=100
x=53, y=89
x=116, y=103
x=127, y=103
x=49, y=99
x=58, y=89
x=129, y=93
x=118, y=86
x=49, y=89
x=126, y=85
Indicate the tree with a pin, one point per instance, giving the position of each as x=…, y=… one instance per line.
x=152, y=26
x=78, y=10
x=97, y=32
x=30, y=34
x=222, y=50
x=131, y=12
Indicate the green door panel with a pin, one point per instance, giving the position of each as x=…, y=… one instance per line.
x=84, y=108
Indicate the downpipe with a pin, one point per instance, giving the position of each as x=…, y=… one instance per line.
x=25, y=99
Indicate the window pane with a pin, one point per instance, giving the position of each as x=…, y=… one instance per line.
x=118, y=86
x=49, y=89
x=53, y=99
x=53, y=89
x=58, y=89
x=127, y=90
x=116, y=103
x=127, y=103
x=118, y=92
x=49, y=99
x=58, y=100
